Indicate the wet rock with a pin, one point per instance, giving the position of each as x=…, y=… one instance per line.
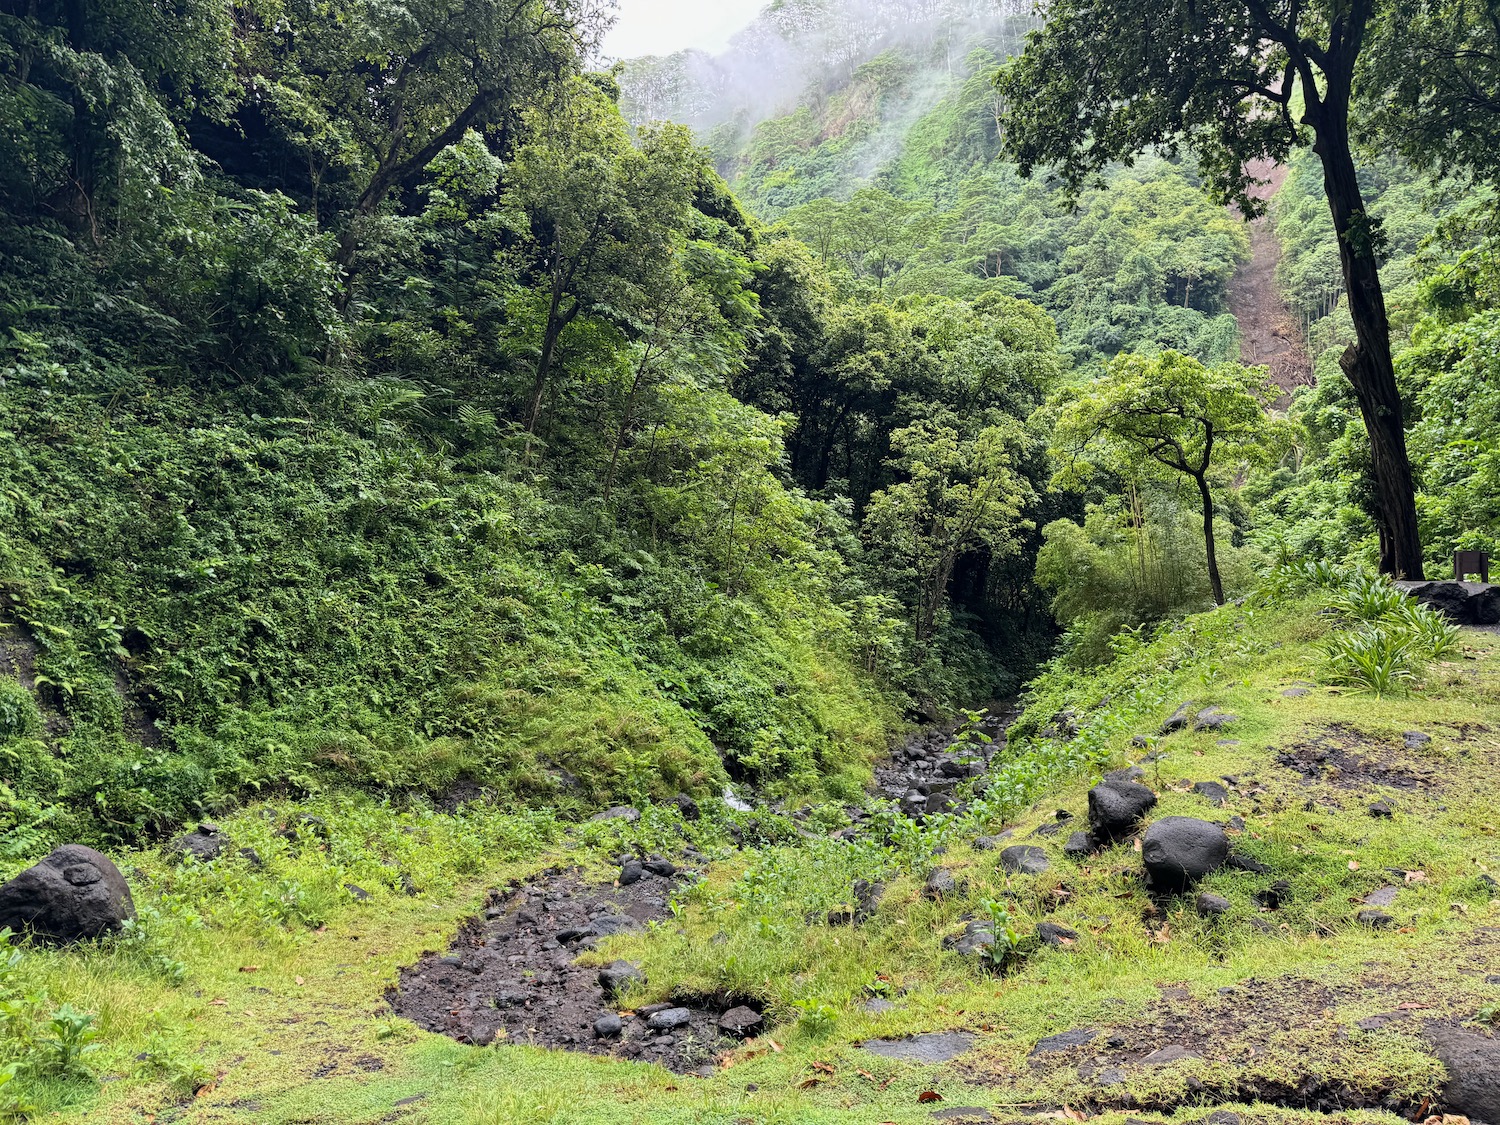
x=687, y=806
x=204, y=843
x=1211, y=906
x=1214, y=718
x=665, y=868
x=669, y=1020
x=1375, y=919
x=1212, y=792
x=1473, y=1064
x=940, y=885
x=741, y=1022
x=1382, y=810
x=630, y=873
x=618, y=976
x=608, y=1026
x=1064, y=1041
x=625, y=813
x=1179, y=719
x=74, y=894
x=1079, y=846
x=976, y=938
x=1025, y=859
x=1059, y=937
x=1116, y=809
x=1179, y=850
x=934, y=1047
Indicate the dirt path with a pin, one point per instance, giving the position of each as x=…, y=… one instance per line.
x=1268, y=333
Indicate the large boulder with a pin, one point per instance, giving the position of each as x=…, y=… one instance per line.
x=74, y=894
x=1116, y=809
x=1180, y=850
x=1464, y=603
x=1473, y=1064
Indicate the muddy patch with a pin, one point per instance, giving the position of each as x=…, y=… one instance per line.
x=512, y=976
x=1347, y=759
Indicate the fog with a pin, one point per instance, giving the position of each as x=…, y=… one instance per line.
x=664, y=27
x=791, y=45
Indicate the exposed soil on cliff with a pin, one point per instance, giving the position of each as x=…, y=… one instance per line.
x=1269, y=334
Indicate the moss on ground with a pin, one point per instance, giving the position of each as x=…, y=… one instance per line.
x=258, y=995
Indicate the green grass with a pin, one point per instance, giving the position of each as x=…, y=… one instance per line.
x=326, y=1050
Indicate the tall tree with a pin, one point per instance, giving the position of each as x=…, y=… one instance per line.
x=1172, y=413
x=1108, y=79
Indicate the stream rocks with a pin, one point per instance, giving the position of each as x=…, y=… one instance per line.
x=1180, y=850
x=74, y=894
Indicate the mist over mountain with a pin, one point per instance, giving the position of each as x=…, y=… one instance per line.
x=860, y=72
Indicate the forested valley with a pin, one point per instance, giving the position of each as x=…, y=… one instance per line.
x=721, y=562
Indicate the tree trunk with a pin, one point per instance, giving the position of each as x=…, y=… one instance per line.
x=1368, y=363
x=1215, y=582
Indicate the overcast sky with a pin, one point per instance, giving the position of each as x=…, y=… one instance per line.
x=660, y=27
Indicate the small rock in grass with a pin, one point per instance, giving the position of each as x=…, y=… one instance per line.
x=204, y=843
x=617, y=976
x=1210, y=906
x=976, y=938
x=1383, y=810
x=1179, y=850
x=1079, y=846
x=1179, y=719
x=1116, y=809
x=741, y=1021
x=1024, y=859
x=991, y=843
x=1172, y=1052
x=1241, y=862
x=630, y=873
x=358, y=892
x=669, y=1019
x=658, y=866
x=252, y=857
x=877, y=1006
x=940, y=885
x=1064, y=1041
x=1129, y=773
x=1212, y=791
x=1375, y=919
x=620, y=812
x=1214, y=718
x=1273, y=896
x=1415, y=739
x=1059, y=937
x=686, y=806
x=1295, y=692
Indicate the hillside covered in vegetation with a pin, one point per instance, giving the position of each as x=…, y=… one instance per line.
x=541, y=590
